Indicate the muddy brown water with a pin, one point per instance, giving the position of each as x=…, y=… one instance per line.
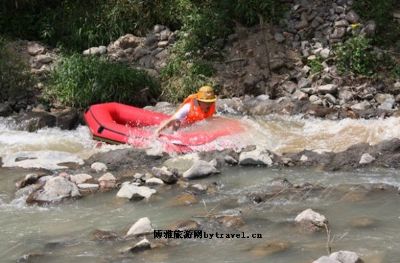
x=364, y=223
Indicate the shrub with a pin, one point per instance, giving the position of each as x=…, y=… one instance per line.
x=193, y=74
x=81, y=81
x=388, y=31
x=315, y=65
x=356, y=55
x=15, y=78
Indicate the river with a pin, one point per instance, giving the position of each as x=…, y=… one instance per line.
x=61, y=232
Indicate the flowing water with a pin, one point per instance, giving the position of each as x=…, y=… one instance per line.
x=62, y=232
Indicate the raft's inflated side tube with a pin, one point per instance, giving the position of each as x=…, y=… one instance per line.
x=118, y=123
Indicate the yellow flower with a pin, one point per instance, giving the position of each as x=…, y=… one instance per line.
x=355, y=26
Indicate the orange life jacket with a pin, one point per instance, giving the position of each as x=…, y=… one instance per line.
x=195, y=112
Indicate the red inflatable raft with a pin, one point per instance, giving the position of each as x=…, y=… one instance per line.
x=118, y=123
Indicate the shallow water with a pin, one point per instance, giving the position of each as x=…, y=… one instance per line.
x=62, y=232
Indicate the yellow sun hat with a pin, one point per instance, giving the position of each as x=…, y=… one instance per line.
x=206, y=94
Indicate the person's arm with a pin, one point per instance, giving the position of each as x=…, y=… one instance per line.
x=165, y=125
x=174, y=120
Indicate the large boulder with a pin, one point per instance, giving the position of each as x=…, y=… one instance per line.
x=140, y=227
x=55, y=189
x=134, y=192
x=200, y=169
x=259, y=156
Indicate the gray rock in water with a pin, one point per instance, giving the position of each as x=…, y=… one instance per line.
x=346, y=257
x=200, y=169
x=142, y=245
x=107, y=181
x=166, y=175
x=55, y=189
x=154, y=181
x=80, y=178
x=309, y=215
x=325, y=259
x=134, y=192
x=140, y=227
x=259, y=156
x=366, y=158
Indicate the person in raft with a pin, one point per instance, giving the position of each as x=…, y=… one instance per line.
x=194, y=108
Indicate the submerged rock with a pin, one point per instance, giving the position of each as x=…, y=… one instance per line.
x=184, y=225
x=142, y=245
x=103, y=235
x=184, y=199
x=269, y=248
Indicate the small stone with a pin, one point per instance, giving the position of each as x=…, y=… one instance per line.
x=154, y=181
x=330, y=98
x=142, y=245
x=35, y=49
x=162, y=44
x=98, y=167
x=279, y=37
x=325, y=53
x=43, y=59
x=107, y=181
x=199, y=187
x=341, y=23
x=80, y=178
x=304, y=158
x=230, y=160
x=329, y=88
x=361, y=106
x=311, y=216
x=352, y=17
x=88, y=187
x=366, y=158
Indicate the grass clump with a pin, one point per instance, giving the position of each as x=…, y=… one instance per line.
x=81, y=81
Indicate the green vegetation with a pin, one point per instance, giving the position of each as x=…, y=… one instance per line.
x=80, y=81
x=388, y=31
x=75, y=25
x=356, y=55
x=315, y=65
x=15, y=78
